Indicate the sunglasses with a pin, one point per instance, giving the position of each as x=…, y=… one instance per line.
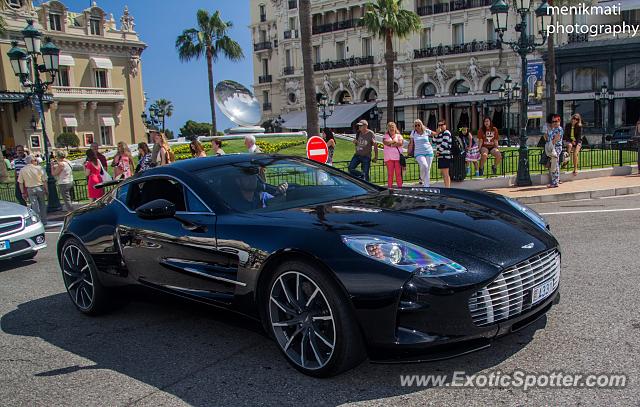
x=556, y=121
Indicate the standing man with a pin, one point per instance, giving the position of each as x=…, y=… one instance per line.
x=365, y=140
x=250, y=143
x=33, y=186
x=101, y=157
x=18, y=164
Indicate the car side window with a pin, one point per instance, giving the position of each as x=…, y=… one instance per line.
x=122, y=192
x=194, y=204
x=148, y=190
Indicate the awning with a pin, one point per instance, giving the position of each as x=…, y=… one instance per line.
x=101, y=63
x=66, y=60
x=107, y=121
x=70, y=122
x=623, y=5
x=342, y=117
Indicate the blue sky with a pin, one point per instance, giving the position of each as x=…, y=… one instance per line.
x=159, y=23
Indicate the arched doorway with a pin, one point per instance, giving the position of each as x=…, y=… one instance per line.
x=370, y=95
x=427, y=89
x=494, y=84
x=461, y=87
x=343, y=97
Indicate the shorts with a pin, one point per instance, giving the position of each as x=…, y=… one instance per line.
x=444, y=163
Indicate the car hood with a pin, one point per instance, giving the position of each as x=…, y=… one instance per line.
x=445, y=224
x=12, y=209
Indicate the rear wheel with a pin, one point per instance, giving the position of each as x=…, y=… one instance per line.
x=79, y=274
x=312, y=322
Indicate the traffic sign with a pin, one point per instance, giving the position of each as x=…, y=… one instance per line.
x=317, y=149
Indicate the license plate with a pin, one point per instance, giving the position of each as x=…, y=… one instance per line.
x=542, y=291
x=4, y=245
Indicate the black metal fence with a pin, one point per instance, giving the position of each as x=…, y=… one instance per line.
x=79, y=194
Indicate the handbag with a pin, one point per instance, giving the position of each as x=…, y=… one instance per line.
x=403, y=159
x=104, y=174
x=550, y=149
x=545, y=161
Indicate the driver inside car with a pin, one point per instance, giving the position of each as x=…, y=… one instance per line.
x=254, y=192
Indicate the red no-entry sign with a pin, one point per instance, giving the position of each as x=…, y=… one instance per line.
x=317, y=149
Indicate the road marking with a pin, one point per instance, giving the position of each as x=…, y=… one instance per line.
x=592, y=211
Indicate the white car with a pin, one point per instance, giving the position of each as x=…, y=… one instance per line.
x=21, y=232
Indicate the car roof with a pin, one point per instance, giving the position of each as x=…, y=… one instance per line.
x=197, y=164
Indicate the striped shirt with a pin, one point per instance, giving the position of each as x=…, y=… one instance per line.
x=19, y=164
x=443, y=141
x=421, y=143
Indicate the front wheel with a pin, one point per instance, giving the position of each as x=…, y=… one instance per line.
x=312, y=322
x=79, y=274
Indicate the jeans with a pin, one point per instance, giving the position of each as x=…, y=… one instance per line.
x=366, y=164
x=65, y=192
x=19, y=197
x=554, y=169
x=393, y=167
x=424, y=162
x=38, y=203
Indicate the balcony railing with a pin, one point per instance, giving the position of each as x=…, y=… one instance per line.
x=439, y=8
x=288, y=70
x=265, y=79
x=289, y=34
x=578, y=38
x=266, y=106
x=340, y=25
x=441, y=50
x=69, y=92
x=261, y=46
x=293, y=4
x=343, y=63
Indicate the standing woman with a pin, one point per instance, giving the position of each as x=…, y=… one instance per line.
x=162, y=156
x=473, y=152
x=63, y=172
x=422, y=151
x=122, y=162
x=331, y=144
x=443, y=152
x=197, y=150
x=144, y=157
x=392, y=142
x=92, y=170
x=216, y=146
x=573, y=140
x=555, y=135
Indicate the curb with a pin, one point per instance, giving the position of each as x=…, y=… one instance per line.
x=572, y=196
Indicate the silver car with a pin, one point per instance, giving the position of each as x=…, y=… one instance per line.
x=21, y=232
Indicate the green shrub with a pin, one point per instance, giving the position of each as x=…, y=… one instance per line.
x=67, y=140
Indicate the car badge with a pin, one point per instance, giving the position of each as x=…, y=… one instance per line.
x=528, y=246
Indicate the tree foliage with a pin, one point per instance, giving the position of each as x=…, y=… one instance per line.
x=66, y=140
x=195, y=129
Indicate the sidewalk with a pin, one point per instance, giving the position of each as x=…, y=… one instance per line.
x=571, y=190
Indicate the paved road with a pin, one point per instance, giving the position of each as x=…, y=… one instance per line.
x=161, y=351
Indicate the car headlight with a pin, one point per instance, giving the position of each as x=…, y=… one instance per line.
x=528, y=212
x=403, y=255
x=31, y=219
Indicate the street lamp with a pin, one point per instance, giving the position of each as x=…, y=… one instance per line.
x=322, y=108
x=507, y=93
x=523, y=46
x=603, y=97
x=20, y=59
x=374, y=115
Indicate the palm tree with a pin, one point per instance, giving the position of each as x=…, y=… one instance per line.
x=310, y=102
x=386, y=19
x=209, y=40
x=163, y=107
x=3, y=168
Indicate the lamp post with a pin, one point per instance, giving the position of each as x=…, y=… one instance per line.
x=603, y=97
x=374, y=115
x=524, y=45
x=25, y=64
x=508, y=93
x=322, y=109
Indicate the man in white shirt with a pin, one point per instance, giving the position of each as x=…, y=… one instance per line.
x=250, y=143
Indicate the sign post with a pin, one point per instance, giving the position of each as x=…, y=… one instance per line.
x=317, y=149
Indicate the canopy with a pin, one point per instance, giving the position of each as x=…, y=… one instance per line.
x=107, y=121
x=101, y=63
x=66, y=60
x=342, y=117
x=70, y=121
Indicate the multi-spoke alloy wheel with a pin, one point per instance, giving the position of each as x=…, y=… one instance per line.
x=76, y=272
x=312, y=320
x=302, y=320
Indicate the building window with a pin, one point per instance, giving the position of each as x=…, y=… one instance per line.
x=316, y=54
x=265, y=96
x=631, y=17
x=425, y=38
x=265, y=67
x=101, y=78
x=55, y=22
x=583, y=79
x=458, y=34
x=67, y=129
x=428, y=89
x=293, y=23
x=366, y=47
x=106, y=138
x=340, y=51
x=627, y=77
x=491, y=30
x=263, y=36
x=63, y=76
x=263, y=13
x=399, y=114
x=461, y=87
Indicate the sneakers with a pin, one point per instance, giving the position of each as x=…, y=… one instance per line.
x=477, y=173
x=494, y=169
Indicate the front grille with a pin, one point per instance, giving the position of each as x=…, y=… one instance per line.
x=10, y=225
x=509, y=295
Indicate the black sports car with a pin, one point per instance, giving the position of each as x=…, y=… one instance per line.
x=336, y=269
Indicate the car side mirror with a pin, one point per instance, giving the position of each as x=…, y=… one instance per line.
x=157, y=209
x=608, y=138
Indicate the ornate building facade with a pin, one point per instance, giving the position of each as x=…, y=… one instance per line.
x=98, y=93
x=451, y=69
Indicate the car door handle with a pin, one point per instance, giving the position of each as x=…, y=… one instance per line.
x=190, y=226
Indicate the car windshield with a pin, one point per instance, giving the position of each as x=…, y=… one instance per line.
x=271, y=184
